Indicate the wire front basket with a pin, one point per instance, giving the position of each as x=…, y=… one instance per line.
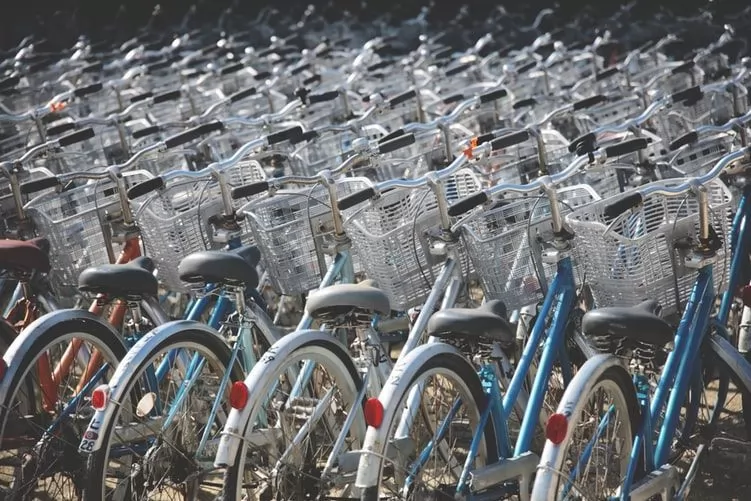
x=503, y=243
x=76, y=222
x=176, y=221
x=391, y=237
x=293, y=229
x=636, y=256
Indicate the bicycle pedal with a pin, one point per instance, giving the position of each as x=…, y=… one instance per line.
x=663, y=482
x=521, y=467
x=730, y=453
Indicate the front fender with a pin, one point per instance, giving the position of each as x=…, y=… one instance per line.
x=136, y=356
x=59, y=320
x=237, y=427
x=398, y=383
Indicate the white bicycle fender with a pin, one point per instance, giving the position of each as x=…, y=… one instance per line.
x=237, y=428
x=397, y=384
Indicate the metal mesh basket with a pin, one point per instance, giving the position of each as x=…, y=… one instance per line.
x=698, y=158
x=390, y=236
x=293, y=231
x=608, y=113
x=711, y=108
x=74, y=221
x=521, y=163
x=634, y=257
x=502, y=243
x=174, y=222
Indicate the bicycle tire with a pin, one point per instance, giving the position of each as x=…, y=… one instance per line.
x=462, y=371
x=551, y=469
x=98, y=460
x=337, y=357
x=93, y=333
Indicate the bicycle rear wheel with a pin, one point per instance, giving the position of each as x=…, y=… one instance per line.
x=427, y=463
x=601, y=416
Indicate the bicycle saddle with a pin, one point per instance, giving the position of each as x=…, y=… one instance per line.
x=31, y=255
x=488, y=322
x=235, y=267
x=638, y=323
x=130, y=281
x=340, y=299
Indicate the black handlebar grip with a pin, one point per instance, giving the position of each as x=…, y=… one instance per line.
x=493, y=95
x=59, y=129
x=690, y=94
x=589, y=102
x=523, y=103
x=615, y=209
x=76, y=137
x=141, y=97
x=688, y=138
x=391, y=135
x=249, y=190
x=88, y=89
x=458, y=69
x=453, y=99
x=93, y=67
x=231, y=68
x=147, y=131
x=9, y=82
x=311, y=80
x=586, y=138
x=261, y=75
x=443, y=53
x=484, y=138
x=683, y=68
x=209, y=49
x=396, y=143
x=141, y=189
x=402, y=98
x=325, y=52
x=191, y=134
x=626, y=147
x=378, y=66
x=299, y=69
x=356, y=198
x=305, y=136
x=284, y=135
x=242, y=94
x=526, y=67
x=509, y=140
x=39, y=185
x=467, y=203
x=170, y=95
x=323, y=97
x=159, y=65
x=606, y=74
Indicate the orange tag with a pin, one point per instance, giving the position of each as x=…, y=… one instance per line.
x=55, y=107
x=471, y=147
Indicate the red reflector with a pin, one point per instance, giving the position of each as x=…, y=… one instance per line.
x=746, y=295
x=556, y=429
x=99, y=398
x=373, y=412
x=238, y=395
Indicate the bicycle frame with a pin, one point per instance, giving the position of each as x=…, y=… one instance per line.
x=680, y=366
x=559, y=300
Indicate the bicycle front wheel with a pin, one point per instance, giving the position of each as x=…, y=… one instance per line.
x=590, y=459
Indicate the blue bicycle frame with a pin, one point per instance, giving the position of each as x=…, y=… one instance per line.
x=680, y=370
x=559, y=301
